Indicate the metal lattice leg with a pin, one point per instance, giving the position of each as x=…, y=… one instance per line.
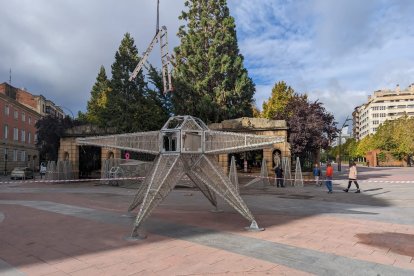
x=207, y=192
x=208, y=168
x=168, y=171
x=190, y=161
x=139, y=196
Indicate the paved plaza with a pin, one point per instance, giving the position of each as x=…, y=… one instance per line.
x=82, y=229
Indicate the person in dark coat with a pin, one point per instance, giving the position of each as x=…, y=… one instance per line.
x=279, y=176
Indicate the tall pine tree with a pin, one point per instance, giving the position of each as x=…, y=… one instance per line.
x=97, y=103
x=126, y=97
x=211, y=81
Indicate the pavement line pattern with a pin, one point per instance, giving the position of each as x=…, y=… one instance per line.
x=311, y=261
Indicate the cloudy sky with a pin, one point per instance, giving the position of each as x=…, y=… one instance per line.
x=335, y=51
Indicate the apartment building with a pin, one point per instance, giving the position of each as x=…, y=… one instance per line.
x=381, y=106
x=19, y=112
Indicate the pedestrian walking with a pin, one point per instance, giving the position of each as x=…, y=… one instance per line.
x=317, y=174
x=279, y=176
x=352, y=177
x=329, y=175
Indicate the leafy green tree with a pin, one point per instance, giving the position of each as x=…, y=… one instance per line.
x=365, y=145
x=384, y=137
x=275, y=106
x=98, y=101
x=210, y=79
x=311, y=127
x=396, y=137
x=49, y=131
x=404, y=136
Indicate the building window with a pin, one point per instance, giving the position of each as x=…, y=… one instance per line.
x=23, y=136
x=7, y=110
x=16, y=134
x=23, y=156
x=30, y=120
x=35, y=138
x=14, y=155
x=6, y=131
x=29, y=138
x=23, y=117
x=16, y=114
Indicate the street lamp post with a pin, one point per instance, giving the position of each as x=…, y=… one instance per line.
x=340, y=143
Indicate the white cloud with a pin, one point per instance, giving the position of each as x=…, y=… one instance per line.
x=335, y=51
x=56, y=47
x=338, y=51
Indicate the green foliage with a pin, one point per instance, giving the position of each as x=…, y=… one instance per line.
x=210, y=80
x=123, y=110
x=98, y=101
x=382, y=157
x=395, y=137
x=255, y=111
x=123, y=105
x=49, y=131
x=365, y=145
x=348, y=150
x=275, y=106
x=311, y=127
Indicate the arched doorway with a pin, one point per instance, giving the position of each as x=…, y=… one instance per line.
x=110, y=155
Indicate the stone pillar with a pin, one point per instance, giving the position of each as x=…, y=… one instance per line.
x=69, y=149
x=224, y=161
x=268, y=157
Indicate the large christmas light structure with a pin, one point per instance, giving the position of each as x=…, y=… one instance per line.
x=185, y=146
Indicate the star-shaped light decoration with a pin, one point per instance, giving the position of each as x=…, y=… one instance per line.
x=185, y=146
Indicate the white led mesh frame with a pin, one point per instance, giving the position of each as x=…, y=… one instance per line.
x=169, y=167
x=146, y=142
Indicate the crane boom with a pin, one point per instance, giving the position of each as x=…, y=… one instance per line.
x=144, y=57
x=162, y=38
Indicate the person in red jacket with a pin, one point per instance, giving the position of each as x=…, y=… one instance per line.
x=329, y=174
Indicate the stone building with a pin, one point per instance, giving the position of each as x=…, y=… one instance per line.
x=17, y=131
x=20, y=110
x=381, y=106
x=68, y=149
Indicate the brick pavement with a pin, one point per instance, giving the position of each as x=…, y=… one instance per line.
x=79, y=229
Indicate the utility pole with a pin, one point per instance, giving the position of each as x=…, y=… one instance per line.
x=340, y=143
x=10, y=76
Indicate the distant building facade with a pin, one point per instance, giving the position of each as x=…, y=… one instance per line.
x=381, y=106
x=19, y=112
